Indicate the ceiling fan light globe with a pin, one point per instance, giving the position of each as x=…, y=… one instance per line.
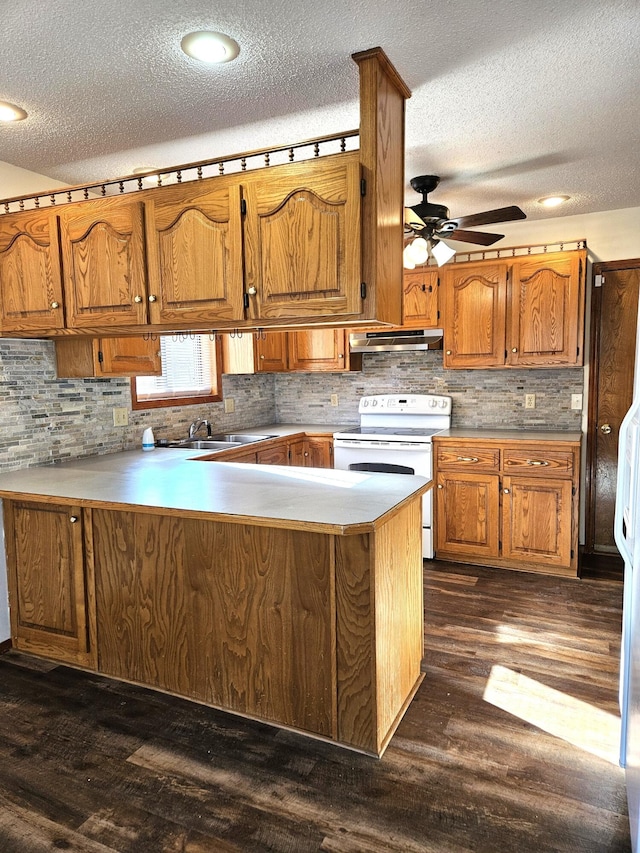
x=418, y=250
x=441, y=252
x=407, y=261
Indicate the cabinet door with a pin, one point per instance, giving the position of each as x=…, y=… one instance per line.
x=467, y=514
x=475, y=301
x=547, y=310
x=420, y=299
x=30, y=278
x=302, y=239
x=194, y=241
x=298, y=452
x=48, y=594
x=320, y=450
x=536, y=523
x=271, y=352
x=103, y=263
x=318, y=349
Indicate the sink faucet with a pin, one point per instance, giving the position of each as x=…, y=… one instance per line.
x=196, y=425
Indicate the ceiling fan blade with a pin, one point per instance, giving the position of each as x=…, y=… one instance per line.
x=482, y=238
x=500, y=214
x=412, y=220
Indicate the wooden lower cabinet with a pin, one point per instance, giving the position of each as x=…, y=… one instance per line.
x=50, y=581
x=508, y=503
x=309, y=629
x=312, y=452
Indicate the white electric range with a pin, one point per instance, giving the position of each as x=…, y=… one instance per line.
x=394, y=437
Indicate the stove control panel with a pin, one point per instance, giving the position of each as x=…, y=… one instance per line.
x=415, y=404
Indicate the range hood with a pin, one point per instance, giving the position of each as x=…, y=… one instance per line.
x=396, y=340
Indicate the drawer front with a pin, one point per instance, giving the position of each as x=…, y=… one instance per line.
x=537, y=460
x=476, y=458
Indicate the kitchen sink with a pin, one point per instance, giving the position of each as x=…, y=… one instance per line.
x=240, y=438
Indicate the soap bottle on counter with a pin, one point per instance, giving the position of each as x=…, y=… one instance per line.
x=148, y=441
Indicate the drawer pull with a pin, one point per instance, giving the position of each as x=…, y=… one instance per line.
x=468, y=459
x=538, y=462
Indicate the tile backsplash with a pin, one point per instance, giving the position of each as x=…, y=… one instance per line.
x=44, y=419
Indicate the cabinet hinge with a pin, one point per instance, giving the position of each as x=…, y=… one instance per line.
x=598, y=280
x=573, y=491
x=572, y=553
x=363, y=290
x=100, y=356
x=363, y=186
x=246, y=300
x=243, y=207
x=438, y=314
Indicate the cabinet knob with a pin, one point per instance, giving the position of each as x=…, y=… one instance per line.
x=73, y=519
x=152, y=298
x=137, y=298
x=440, y=486
x=261, y=356
x=506, y=491
x=55, y=304
x=252, y=291
x=514, y=349
x=605, y=428
x=448, y=352
x=341, y=355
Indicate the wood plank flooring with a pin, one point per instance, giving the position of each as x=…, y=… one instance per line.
x=510, y=745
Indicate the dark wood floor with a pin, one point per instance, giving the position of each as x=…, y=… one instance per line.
x=509, y=745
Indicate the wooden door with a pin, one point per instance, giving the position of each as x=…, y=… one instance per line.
x=47, y=589
x=30, y=276
x=547, y=310
x=536, y=520
x=302, y=239
x=614, y=317
x=320, y=451
x=474, y=316
x=420, y=299
x=271, y=352
x=103, y=261
x=467, y=514
x=318, y=349
x=194, y=243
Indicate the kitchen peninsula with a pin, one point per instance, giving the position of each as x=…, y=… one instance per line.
x=288, y=595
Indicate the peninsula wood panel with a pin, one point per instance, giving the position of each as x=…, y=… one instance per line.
x=48, y=593
x=233, y=615
x=30, y=277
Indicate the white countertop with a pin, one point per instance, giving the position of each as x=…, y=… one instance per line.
x=325, y=500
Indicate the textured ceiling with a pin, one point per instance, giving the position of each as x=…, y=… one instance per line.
x=511, y=100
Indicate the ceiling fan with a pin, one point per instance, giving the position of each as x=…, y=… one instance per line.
x=430, y=223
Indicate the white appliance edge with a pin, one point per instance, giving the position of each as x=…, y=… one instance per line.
x=5, y=628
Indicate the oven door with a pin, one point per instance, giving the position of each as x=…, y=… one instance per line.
x=391, y=457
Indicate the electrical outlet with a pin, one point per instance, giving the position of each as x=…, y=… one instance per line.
x=334, y=399
x=529, y=401
x=576, y=401
x=120, y=417
x=229, y=405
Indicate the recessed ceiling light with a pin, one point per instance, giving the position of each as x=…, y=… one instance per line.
x=10, y=112
x=553, y=200
x=210, y=47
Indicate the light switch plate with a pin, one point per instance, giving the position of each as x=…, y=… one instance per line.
x=120, y=417
x=229, y=405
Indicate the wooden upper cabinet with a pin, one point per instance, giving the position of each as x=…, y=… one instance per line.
x=475, y=305
x=271, y=352
x=79, y=356
x=318, y=349
x=547, y=315
x=302, y=239
x=103, y=260
x=194, y=245
x=420, y=299
x=30, y=280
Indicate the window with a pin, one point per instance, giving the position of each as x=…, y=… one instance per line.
x=190, y=374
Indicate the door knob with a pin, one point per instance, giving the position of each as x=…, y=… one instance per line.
x=605, y=428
